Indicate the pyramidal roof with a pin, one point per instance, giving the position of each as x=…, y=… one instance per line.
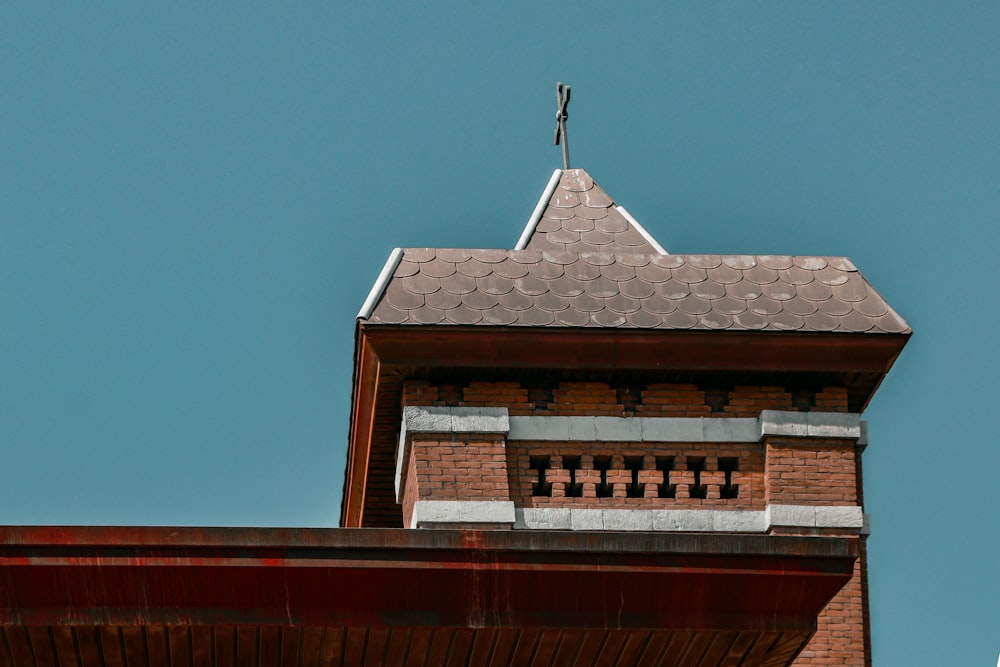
x=576, y=214
x=583, y=261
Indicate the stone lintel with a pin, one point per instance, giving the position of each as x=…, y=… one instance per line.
x=815, y=516
x=440, y=512
x=689, y=429
x=694, y=521
x=810, y=424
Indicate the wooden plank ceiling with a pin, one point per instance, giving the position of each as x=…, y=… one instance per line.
x=291, y=646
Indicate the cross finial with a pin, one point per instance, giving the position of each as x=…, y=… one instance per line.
x=562, y=113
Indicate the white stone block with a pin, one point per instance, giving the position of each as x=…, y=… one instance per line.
x=682, y=520
x=783, y=422
x=738, y=521
x=671, y=429
x=582, y=428
x=538, y=428
x=618, y=429
x=801, y=516
x=839, y=517
x=430, y=419
x=544, y=518
x=586, y=519
x=729, y=429
x=834, y=425
x=627, y=520
x=479, y=420
x=462, y=511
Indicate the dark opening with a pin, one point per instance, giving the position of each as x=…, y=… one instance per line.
x=729, y=465
x=804, y=400
x=717, y=398
x=572, y=464
x=602, y=464
x=665, y=464
x=696, y=464
x=541, y=487
x=634, y=489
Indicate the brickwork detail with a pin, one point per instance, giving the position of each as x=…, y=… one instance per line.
x=585, y=398
x=748, y=401
x=636, y=475
x=600, y=399
x=832, y=399
x=821, y=473
x=673, y=400
x=472, y=468
x=508, y=395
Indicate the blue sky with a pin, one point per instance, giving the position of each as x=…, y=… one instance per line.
x=195, y=200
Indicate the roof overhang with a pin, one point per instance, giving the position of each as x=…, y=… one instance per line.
x=387, y=351
x=754, y=590
x=632, y=348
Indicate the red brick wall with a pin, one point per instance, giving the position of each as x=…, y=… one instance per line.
x=841, y=635
x=831, y=399
x=810, y=472
x=824, y=472
x=748, y=401
x=673, y=400
x=469, y=468
x=585, y=398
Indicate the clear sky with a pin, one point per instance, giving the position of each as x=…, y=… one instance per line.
x=196, y=198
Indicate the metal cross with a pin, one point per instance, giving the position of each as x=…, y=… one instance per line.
x=562, y=113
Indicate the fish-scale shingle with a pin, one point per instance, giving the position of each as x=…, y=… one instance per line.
x=527, y=288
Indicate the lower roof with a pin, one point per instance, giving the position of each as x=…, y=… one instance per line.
x=104, y=596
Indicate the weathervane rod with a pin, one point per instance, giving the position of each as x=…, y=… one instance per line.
x=562, y=113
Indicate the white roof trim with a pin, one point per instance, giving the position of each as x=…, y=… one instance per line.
x=380, y=284
x=536, y=215
x=642, y=230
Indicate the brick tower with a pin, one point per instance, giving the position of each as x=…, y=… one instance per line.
x=589, y=382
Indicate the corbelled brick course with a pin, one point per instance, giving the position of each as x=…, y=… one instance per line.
x=600, y=399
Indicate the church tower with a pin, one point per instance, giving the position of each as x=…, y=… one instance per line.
x=589, y=382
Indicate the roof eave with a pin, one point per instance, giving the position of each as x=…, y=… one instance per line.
x=261, y=576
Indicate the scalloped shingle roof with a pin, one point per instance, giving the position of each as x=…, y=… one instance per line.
x=535, y=288
x=587, y=263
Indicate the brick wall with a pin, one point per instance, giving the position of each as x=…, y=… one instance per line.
x=812, y=471
x=455, y=468
x=825, y=472
x=673, y=400
x=842, y=636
